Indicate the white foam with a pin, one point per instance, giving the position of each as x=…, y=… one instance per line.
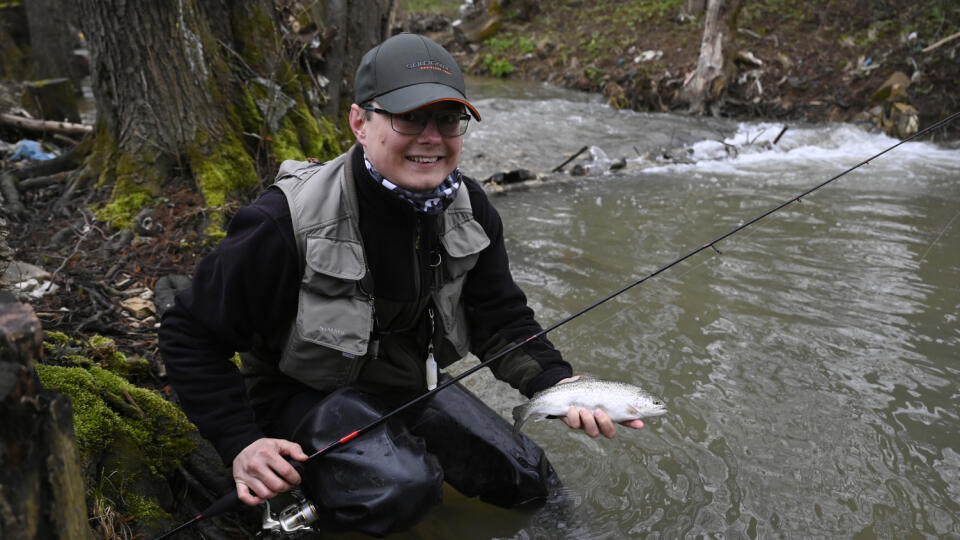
x=751, y=150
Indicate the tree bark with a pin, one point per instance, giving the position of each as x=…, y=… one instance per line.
x=705, y=90
x=214, y=89
x=52, y=38
x=41, y=483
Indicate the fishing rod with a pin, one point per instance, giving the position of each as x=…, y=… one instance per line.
x=231, y=502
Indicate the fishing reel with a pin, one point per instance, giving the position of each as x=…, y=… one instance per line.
x=294, y=521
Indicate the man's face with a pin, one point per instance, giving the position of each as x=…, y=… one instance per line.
x=414, y=162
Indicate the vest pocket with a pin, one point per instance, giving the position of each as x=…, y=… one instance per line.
x=333, y=311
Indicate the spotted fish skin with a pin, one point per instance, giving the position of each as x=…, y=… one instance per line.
x=621, y=401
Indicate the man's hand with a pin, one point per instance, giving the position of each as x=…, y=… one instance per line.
x=595, y=422
x=261, y=469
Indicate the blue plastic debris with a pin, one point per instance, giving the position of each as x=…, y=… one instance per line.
x=27, y=149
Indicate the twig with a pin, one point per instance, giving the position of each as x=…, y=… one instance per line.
x=941, y=42
x=131, y=401
x=76, y=249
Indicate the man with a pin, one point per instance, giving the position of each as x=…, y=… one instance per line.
x=346, y=286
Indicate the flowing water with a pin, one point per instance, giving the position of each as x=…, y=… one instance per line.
x=810, y=366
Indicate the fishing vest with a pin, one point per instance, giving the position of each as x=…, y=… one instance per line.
x=327, y=343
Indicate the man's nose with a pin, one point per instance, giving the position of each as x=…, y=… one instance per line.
x=432, y=130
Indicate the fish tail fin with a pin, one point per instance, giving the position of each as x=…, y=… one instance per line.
x=519, y=417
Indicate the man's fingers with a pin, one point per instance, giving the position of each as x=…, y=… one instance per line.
x=605, y=424
x=285, y=470
x=291, y=449
x=635, y=424
x=589, y=423
x=249, y=495
x=572, y=418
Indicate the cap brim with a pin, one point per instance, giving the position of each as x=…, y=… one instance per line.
x=415, y=96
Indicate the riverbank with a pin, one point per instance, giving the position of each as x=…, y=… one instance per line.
x=893, y=67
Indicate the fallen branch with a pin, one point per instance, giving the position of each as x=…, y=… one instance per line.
x=8, y=187
x=560, y=167
x=44, y=125
x=782, y=131
x=941, y=42
x=41, y=181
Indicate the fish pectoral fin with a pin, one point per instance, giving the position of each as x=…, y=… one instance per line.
x=633, y=410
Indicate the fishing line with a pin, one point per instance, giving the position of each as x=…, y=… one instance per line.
x=231, y=502
x=939, y=236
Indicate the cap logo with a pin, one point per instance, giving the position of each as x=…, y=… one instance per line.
x=429, y=64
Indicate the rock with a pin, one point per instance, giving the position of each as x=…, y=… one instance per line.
x=479, y=28
x=747, y=57
x=27, y=281
x=138, y=307
x=166, y=290
x=19, y=271
x=893, y=89
x=616, y=95
x=647, y=56
x=511, y=177
x=425, y=23
x=899, y=120
x=51, y=99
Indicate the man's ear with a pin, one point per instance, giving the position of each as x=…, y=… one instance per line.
x=358, y=120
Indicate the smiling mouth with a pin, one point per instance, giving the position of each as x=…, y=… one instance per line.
x=423, y=159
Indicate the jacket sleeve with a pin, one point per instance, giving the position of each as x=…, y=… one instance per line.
x=498, y=313
x=246, y=286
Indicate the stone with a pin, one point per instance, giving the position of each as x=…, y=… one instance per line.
x=893, y=89
x=51, y=99
x=138, y=307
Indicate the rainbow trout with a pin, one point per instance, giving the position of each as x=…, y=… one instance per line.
x=621, y=401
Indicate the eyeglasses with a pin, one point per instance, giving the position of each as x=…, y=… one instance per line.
x=449, y=123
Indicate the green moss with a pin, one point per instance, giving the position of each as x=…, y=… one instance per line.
x=255, y=29
x=251, y=119
x=121, y=209
x=136, y=179
x=56, y=338
x=220, y=168
x=285, y=144
x=108, y=407
x=145, y=510
x=104, y=352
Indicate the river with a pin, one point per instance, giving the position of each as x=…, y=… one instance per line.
x=810, y=364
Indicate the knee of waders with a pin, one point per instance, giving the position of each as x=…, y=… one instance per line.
x=481, y=453
x=380, y=482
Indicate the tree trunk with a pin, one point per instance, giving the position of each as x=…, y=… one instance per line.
x=52, y=40
x=705, y=90
x=41, y=483
x=210, y=88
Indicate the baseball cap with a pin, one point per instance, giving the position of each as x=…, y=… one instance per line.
x=409, y=71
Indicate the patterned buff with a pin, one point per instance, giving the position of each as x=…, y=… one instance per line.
x=431, y=202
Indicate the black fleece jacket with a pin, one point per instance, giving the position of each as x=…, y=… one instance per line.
x=250, y=283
